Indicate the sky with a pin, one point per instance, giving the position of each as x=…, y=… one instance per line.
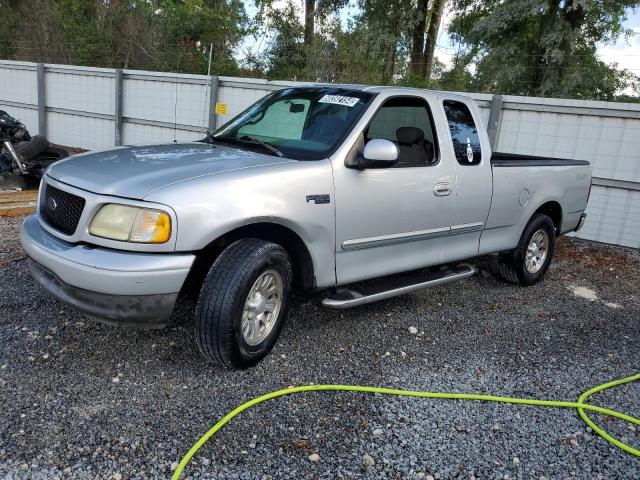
x=625, y=52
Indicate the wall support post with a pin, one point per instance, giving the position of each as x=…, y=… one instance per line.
x=493, y=128
x=42, y=100
x=213, y=99
x=117, y=111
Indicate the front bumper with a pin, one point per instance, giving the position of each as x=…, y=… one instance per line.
x=114, y=286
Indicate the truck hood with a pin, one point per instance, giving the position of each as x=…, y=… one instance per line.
x=134, y=172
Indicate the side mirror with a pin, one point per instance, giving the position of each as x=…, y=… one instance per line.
x=379, y=153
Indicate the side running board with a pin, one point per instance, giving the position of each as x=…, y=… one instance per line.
x=394, y=286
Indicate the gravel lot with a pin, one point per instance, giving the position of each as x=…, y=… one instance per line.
x=80, y=400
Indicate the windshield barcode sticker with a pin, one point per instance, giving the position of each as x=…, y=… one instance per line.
x=339, y=100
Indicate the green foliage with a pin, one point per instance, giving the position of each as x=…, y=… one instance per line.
x=7, y=29
x=166, y=35
x=194, y=25
x=541, y=47
x=285, y=57
x=525, y=47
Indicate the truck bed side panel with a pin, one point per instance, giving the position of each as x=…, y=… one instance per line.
x=521, y=185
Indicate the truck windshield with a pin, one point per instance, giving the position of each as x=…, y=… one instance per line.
x=301, y=123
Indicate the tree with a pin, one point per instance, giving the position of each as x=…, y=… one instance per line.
x=154, y=34
x=309, y=21
x=542, y=47
x=285, y=58
x=309, y=39
x=388, y=27
x=417, y=38
x=526, y=47
x=8, y=20
x=428, y=20
x=432, y=37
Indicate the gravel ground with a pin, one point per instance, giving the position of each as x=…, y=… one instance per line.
x=80, y=400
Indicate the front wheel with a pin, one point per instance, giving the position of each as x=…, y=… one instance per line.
x=243, y=303
x=530, y=260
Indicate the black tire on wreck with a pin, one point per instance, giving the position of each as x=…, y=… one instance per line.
x=32, y=148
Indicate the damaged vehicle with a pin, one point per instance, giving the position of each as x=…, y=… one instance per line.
x=23, y=158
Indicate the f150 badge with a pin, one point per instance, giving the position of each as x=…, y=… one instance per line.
x=319, y=198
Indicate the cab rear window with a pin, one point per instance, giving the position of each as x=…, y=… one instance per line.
x=464, y=134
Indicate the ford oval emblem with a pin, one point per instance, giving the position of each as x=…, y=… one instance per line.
x=52, y=203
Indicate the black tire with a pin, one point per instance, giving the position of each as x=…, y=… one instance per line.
x=32, y=148
x=51, y=155
x=512, y=265
x=38, y=164
x=221, y=302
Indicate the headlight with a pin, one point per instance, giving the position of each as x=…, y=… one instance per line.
x=131, y=224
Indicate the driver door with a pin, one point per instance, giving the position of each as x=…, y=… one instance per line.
x=396, y=219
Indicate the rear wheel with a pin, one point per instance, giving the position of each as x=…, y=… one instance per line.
x=528, y=263
x=243, y=303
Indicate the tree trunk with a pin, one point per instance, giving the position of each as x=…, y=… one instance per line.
x=390, y=64
x=432, y=36
x=417, y=47
x=389, y=67
x=309, y=21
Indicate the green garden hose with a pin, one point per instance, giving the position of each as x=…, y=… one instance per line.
x=580, y=405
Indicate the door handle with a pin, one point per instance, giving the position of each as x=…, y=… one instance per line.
x=442, y=189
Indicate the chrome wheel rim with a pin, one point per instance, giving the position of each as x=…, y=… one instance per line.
x=262, y=307
x=537, y=251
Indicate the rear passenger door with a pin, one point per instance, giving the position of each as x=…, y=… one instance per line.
x=468, y=147
x=391, y=220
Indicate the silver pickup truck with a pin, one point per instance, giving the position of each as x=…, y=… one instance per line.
x=321, y=188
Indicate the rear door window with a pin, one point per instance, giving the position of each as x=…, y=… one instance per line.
x=464, y=134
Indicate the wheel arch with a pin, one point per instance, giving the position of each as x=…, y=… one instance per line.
x=554, y=210
x=302, y=263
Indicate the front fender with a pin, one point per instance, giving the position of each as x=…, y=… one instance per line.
x=209, y=207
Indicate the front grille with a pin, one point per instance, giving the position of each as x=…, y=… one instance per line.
x=62, y=210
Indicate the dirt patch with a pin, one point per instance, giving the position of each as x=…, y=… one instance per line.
x=71, y=150
x=16, y=203
x=612, y=267
x=596, y=256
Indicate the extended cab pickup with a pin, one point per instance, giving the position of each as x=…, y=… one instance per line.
x=314, y=188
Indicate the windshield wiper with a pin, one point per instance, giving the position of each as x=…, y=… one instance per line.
x=211, y=138
x=265, y=145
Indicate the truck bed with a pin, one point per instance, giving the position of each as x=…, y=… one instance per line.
x=524, y=183
x=500, y=159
